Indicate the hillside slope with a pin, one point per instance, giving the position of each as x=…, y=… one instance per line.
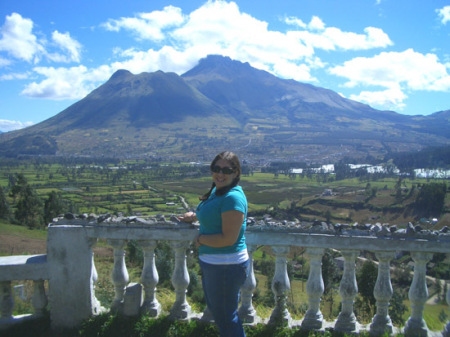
x=223, y=104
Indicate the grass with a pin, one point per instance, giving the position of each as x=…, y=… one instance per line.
x=7, y=228
x=143, y=326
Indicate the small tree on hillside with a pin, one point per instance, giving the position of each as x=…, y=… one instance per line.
x=330, y=276
x=53, y=206
x=366, y=278
x=397, y=308
x=4, y=207
x=29, y=208
x=431, y=198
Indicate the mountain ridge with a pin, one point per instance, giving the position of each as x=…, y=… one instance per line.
x=223, y=104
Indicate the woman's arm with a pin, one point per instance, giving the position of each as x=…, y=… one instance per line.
x=231, y=226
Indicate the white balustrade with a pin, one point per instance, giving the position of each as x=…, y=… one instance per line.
x=348, y=289
x=247, y=312
x=39, y=298
x=119, y=275
x=314, y=287
x=280, y=286
x=446, y=332
x=180, y=281
x=150, y=278
x=97, y=307
x=383, y=291
x=70, y=270
x=418, y=295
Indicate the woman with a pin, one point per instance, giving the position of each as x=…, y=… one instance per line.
x=223, y=256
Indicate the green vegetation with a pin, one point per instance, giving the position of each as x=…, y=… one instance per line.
x=34, y=191
x=116, y=326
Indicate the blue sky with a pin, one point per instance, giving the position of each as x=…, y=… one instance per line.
x=390, y=54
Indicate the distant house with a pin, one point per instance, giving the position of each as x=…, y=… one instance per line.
x=170, y=204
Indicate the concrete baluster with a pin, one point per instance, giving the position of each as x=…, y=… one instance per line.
x=280, y=287
x=69, y=259
x=381, y=322
x=314, y=287
x=348, y=290
x=97, y=307
x=150, y=279
x=39, y=299
x=418, y=295
x=6, y=300
x=446, y=332
x=247, y=312
x=180, y=281
x=120, y=276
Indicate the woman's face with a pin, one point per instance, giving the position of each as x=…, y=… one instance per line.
x=221, y=179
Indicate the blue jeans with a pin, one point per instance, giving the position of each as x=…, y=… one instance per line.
x=221, y=284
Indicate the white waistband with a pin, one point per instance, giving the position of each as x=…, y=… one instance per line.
x=233, y=258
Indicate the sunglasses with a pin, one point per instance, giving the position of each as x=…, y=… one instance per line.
x=224, y=170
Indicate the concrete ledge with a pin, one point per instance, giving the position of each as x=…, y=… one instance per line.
x=23, y=267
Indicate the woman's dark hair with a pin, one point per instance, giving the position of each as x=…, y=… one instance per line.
x=233, y=159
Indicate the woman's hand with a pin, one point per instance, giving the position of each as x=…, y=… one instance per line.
x=188, y=217
x=197, y=241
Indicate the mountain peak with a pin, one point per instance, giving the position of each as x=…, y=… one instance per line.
x=223, y=101
x=120, y=75
x=220, y=65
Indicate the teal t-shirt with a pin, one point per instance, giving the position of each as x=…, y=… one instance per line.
x=209, y=214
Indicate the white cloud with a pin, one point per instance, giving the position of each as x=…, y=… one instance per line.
x=444, y=14
x=14, y=76
x=292, y=20
x=220, y=28
x=7, y=125
x=391, y=98
x=148, y=26
x=316, y=24
x=217, y=27
x=18, y=40
x=68, y=44
x=395, y=71
x=63, y=83
x=4, y=62
x=165, y=59
x=333, y=38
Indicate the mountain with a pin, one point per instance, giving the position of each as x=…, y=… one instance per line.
x=223, y=104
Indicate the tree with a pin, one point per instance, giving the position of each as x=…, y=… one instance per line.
x=29, y=208
x=4, y=207
x=330, y=276
x=330, y=271
x=18, y=184
x=397, y=308
x=366, y=278
x=53, y=206
x=430, y=200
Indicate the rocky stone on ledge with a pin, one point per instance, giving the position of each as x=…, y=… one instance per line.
x=267, y=224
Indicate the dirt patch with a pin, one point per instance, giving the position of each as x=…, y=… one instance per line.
x=16, y=245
